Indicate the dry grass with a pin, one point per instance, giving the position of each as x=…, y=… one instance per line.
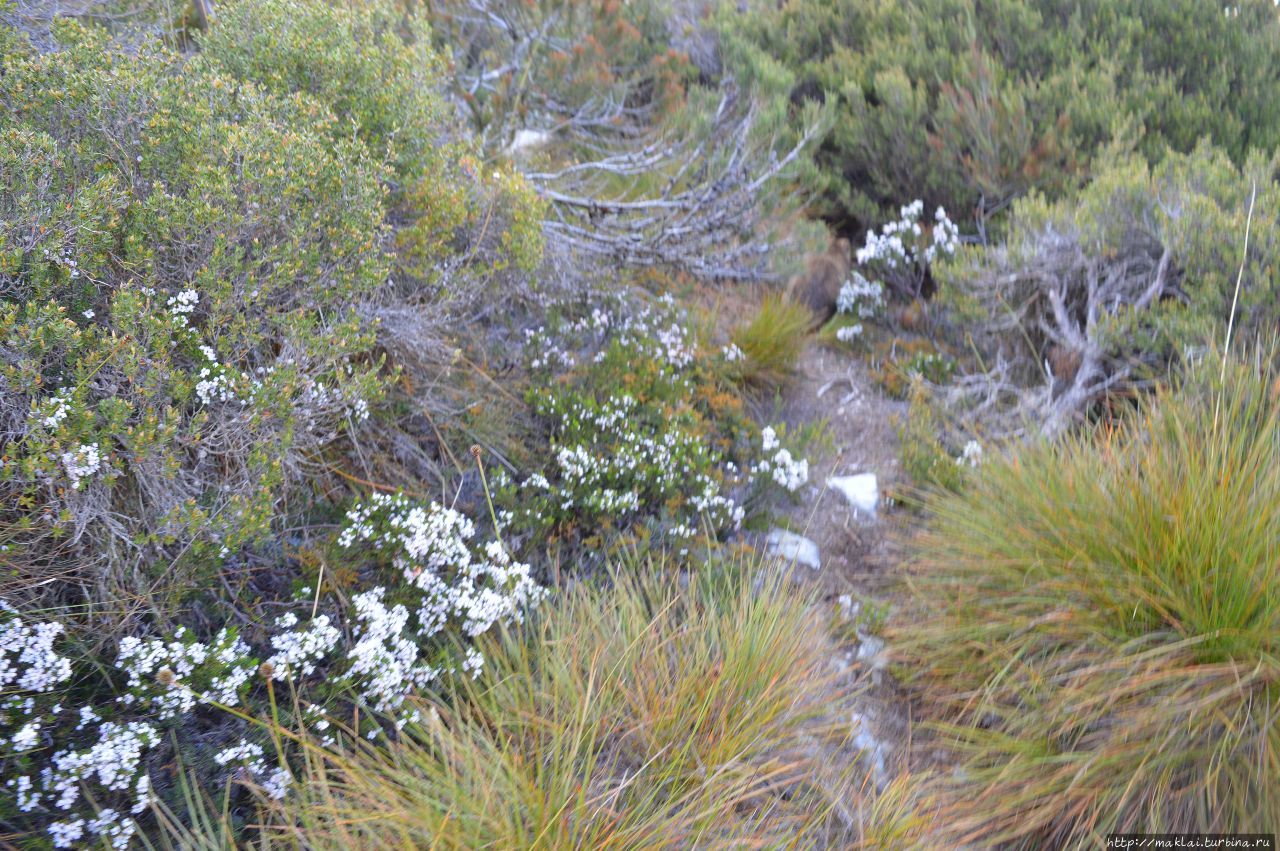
x=637, y=716
x=1100, y=626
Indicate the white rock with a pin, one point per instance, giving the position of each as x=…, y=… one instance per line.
x=873, y=750
x=861, y=490
x=871, y=651
x=792, y=547
x=527, y=140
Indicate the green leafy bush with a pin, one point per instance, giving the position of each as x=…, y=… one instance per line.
x=180, y=307
x=969, y=105
x=1098, y=293
x=195, y=255
x=924, y=458
x=1098, y=625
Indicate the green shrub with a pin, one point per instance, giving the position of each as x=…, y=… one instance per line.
x=195, y=254
x=1099, y=293
x=183, y=254
x=1099, y=623
x=969, y=105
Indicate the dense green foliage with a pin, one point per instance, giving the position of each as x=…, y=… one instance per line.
x=1124, y=279
x=261, y=282
x=189, y=249
x=970, y=104
x=1099, y=619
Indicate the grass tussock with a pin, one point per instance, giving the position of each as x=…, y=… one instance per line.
x=771, y=343
x=1100, y=626
x=639, y=716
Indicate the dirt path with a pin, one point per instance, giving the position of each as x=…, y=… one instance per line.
x=836, y=387
x=858, y=553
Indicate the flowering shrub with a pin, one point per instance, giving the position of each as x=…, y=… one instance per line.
x=901, y=253
x=396, y=646
x=859, y=300
x=447, y=585
x=642, y=438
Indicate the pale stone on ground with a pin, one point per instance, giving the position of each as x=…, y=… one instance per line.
x=792, y=547
x=862, y=491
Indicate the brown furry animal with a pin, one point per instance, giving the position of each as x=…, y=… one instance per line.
x=1063, y=363
x=818, y=286
x=912, y=317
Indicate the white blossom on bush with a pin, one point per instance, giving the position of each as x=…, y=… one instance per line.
x=172, y=677
x=56, y=409
x=860, y=297
x=298, y=652
x=453, y=584
x=28, y=661
x=902, y=250
x=787, y=472
x=82, y=463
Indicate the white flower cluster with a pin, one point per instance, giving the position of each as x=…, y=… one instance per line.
x=860, y=297
x=946, y=236
x=82, y=463
x=789, y=473
x=653, y=330
x=431, y=545
x=56, y=409
x=849, y=333
x=903, y=248
x=676, y=347
x=28, y=661
x=173, y=677
x=218, y=383
x=248, y=757
x=214, y=387
x=182, y=305
x=550, y=354
x=114, y=762
x=299, y=651
x=657, y=330
x=733, y=354
x=169, y=679
x=386, y=656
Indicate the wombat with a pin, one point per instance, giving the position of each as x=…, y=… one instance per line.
x=818, y=286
